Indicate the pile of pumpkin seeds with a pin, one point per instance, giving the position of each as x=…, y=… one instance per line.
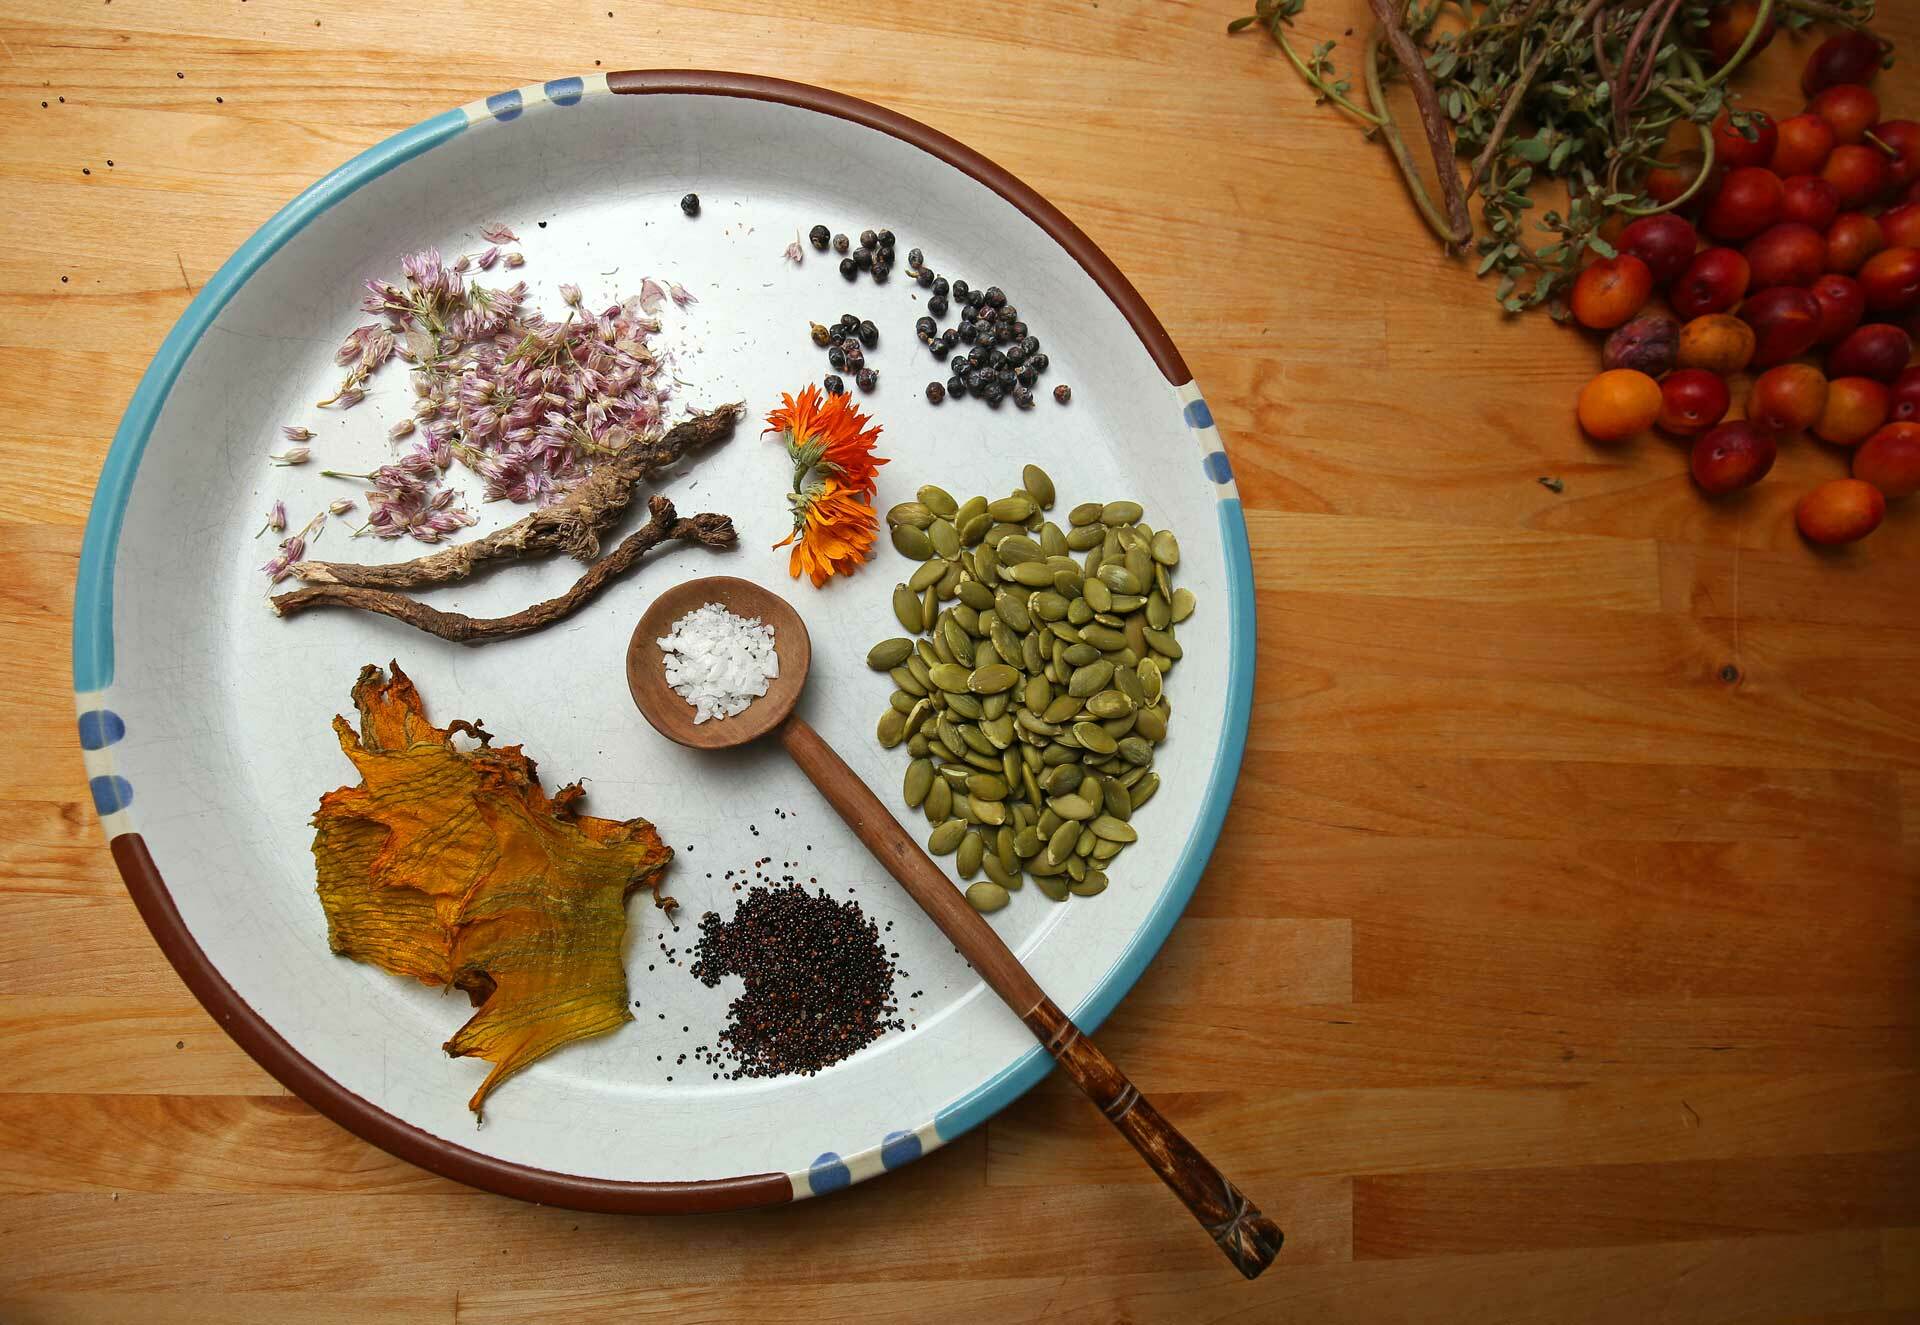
x=1029, y=689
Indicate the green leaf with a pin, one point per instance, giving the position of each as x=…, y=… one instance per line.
x=1486, y=263
x=1530, y=149
x=1602, y=247
x=1241, y=23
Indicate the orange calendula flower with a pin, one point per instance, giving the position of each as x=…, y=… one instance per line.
x=831, y=445
x=833, y=532
x=828, y=433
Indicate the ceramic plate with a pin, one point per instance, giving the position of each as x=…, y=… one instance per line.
x=205, y=719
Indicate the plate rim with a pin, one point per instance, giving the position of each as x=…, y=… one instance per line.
x=100, y=728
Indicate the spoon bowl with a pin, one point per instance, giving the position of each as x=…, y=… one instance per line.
x=672, y=716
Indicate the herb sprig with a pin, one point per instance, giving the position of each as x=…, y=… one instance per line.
x=1581, y=94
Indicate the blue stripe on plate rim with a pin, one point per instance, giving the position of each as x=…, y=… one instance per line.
x=93, y=659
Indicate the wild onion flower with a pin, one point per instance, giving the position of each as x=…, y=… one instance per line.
x=293, y=432
x=340, y=505
x=526, y=402
x=293, y=455
x=292, y=550
x=276, y=519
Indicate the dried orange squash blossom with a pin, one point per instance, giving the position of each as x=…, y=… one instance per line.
x=454, y=867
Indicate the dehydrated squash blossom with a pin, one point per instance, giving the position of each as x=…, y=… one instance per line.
x=455, y=867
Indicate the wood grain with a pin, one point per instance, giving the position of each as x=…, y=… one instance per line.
x=1559, y=960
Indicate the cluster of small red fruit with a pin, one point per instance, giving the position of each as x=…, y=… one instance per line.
x=1799, y=262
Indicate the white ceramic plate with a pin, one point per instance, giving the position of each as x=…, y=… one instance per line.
x=205, y=719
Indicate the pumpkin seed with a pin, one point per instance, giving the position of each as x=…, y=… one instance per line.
x=906, y=607
x=986, y=563
x=1038, y=486
x=1119, y=579
x=1119, y=512
x=1072, y=807
x=901, y=700
x=967, y=858
x=936, y=501
x=993, y=813
x=1112, y=829
x=1062, y=709
x=939, y=802
x=1033, y=575
x=1037, y=694
x=1017, y=550
x=929, y=608
x=1093, y=737
x=1031, y=656
x=1162, y=641
x=986, y=897
x=986, y=787
x=945, y=839
x=889, y=654
x=1166, y=548
x=964, y=705
x=912, y=543
x=975, y=595
x=1152, y=724
x=999, y=873
x=1136, y=750
x=918, y=782
x=892, y=728
x=1086, y=513
x=1104, y=638
x=1114, y=797
x=1109, y=704
x=1092, y=885
x=1063, y=841
x=973, y=530
x=1183, y=604
x=950, y=676
x=910, y=513
x=1090, y=679
x=1052, y=887
x=1012, y=510
x=992, y=679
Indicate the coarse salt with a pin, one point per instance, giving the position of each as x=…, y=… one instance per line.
x=719, y=662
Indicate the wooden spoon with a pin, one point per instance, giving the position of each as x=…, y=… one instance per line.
x=1249, y=1239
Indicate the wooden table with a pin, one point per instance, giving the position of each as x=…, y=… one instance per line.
x=1559, y=960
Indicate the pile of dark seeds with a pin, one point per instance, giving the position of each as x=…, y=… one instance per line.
x=847, y=342
x=873, y=256
x=1004, y=359
x=819, y=984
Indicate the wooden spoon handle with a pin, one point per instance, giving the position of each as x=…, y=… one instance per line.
x=1248, y=1238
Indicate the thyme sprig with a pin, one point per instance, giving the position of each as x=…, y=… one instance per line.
x=1579, y=95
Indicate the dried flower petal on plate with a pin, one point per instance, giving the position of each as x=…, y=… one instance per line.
x=454, y=867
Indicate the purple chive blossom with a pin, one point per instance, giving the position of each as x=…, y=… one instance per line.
x=462, y=262
x=486, y=260
x=681, y=298
x=795, y=254
x=570, y=295
x=340, y=505
x=496, y=233
x=293, y=455
x=515, y=259
x=281, y=565
x=276, y=519
x=293, y=432
x=652, y=294
x=400, y=429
